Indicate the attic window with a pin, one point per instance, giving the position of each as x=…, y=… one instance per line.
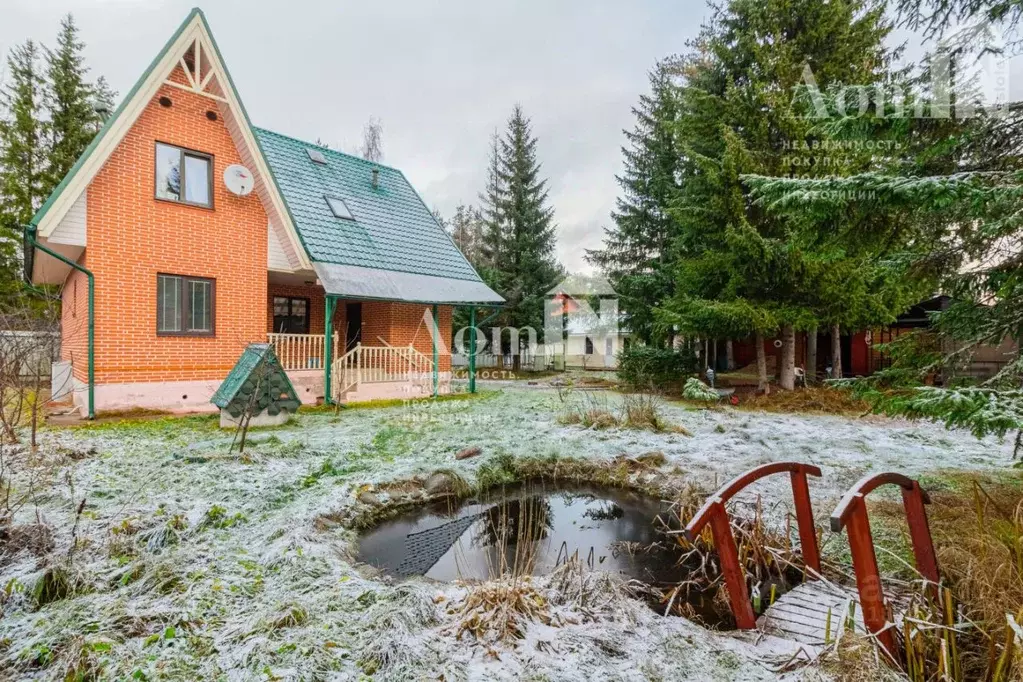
x=316, y=156
x=339, y=208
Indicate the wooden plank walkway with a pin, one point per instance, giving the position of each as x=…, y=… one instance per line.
x=801, y=614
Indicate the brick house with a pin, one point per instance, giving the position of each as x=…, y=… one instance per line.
x=199, y=234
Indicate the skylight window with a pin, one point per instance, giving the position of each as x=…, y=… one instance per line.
x=316, y=155
x=339, y=208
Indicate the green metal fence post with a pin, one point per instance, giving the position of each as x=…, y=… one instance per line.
x=329, y=303
x=472, y=349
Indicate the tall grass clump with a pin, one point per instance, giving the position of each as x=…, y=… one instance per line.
x=500, y=608
x=970, y=628
x=770, y=562
x=637, y=411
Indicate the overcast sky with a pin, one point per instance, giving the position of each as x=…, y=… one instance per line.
x=440, y=76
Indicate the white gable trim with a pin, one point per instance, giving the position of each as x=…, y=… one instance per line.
x=192, y=34
x=276, y=256
x=72, y=229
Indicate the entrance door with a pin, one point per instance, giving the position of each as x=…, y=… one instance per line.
x=353, y=326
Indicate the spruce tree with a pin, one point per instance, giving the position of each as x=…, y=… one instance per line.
x=636, y=253
x=22, y=156
x=22, y=134
x=521, y=223
x=491, y=212
x=955, y=186
x=742, y=270
x=71, y=101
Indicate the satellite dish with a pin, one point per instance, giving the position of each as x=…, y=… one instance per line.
x=238, y=180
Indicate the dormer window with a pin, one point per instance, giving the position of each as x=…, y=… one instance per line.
x=184, y=176
x=339, y=208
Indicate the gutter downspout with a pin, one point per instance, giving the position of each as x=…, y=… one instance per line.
x=30, y=238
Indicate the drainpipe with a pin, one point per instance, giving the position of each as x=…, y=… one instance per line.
x=30, y=238
x=328, y=351
x=436, y=333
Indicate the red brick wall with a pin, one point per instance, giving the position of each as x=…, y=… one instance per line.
x=74, y=322
x=132, y=237
x=407, y=325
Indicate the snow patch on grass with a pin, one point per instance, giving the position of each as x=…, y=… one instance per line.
x=197, y=564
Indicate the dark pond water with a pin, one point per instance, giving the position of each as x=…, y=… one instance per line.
x=533, y=527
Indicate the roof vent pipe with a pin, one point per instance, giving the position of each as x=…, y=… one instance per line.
x=376, y=178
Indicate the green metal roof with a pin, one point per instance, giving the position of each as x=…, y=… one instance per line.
x=255, y=356
x=392, y=230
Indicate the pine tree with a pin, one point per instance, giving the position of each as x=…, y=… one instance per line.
x=636, y=254
x=71, y=101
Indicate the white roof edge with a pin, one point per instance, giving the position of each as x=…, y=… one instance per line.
x=352, y=281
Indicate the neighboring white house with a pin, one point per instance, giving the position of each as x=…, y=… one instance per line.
x=589, y=348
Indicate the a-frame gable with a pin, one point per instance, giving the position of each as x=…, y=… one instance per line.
x=192, y=55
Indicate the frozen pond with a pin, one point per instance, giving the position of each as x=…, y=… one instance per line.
x=528, y=529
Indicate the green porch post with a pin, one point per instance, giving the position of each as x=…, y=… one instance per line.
x=472, y=349
x=436, y=333
x=328, y=347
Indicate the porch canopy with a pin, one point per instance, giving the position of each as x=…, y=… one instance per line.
x=355, y=282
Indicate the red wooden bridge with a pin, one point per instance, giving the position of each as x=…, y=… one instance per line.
x=810, y=612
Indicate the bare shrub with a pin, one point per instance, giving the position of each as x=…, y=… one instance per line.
x=29, y=343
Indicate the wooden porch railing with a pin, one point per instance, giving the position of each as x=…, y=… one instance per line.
x=379, y=364
x=713, y=512
x=300, y=351
x=851, y=514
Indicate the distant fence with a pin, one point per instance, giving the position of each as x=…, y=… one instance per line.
x=535, y=362
x=30, y=353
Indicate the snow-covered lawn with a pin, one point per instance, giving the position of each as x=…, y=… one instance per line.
x=193, y=564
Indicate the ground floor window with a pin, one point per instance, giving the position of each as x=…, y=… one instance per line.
x=184, y=305
x=291, y=315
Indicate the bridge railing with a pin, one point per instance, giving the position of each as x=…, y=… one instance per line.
x=851, y=514
x=713, y=512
